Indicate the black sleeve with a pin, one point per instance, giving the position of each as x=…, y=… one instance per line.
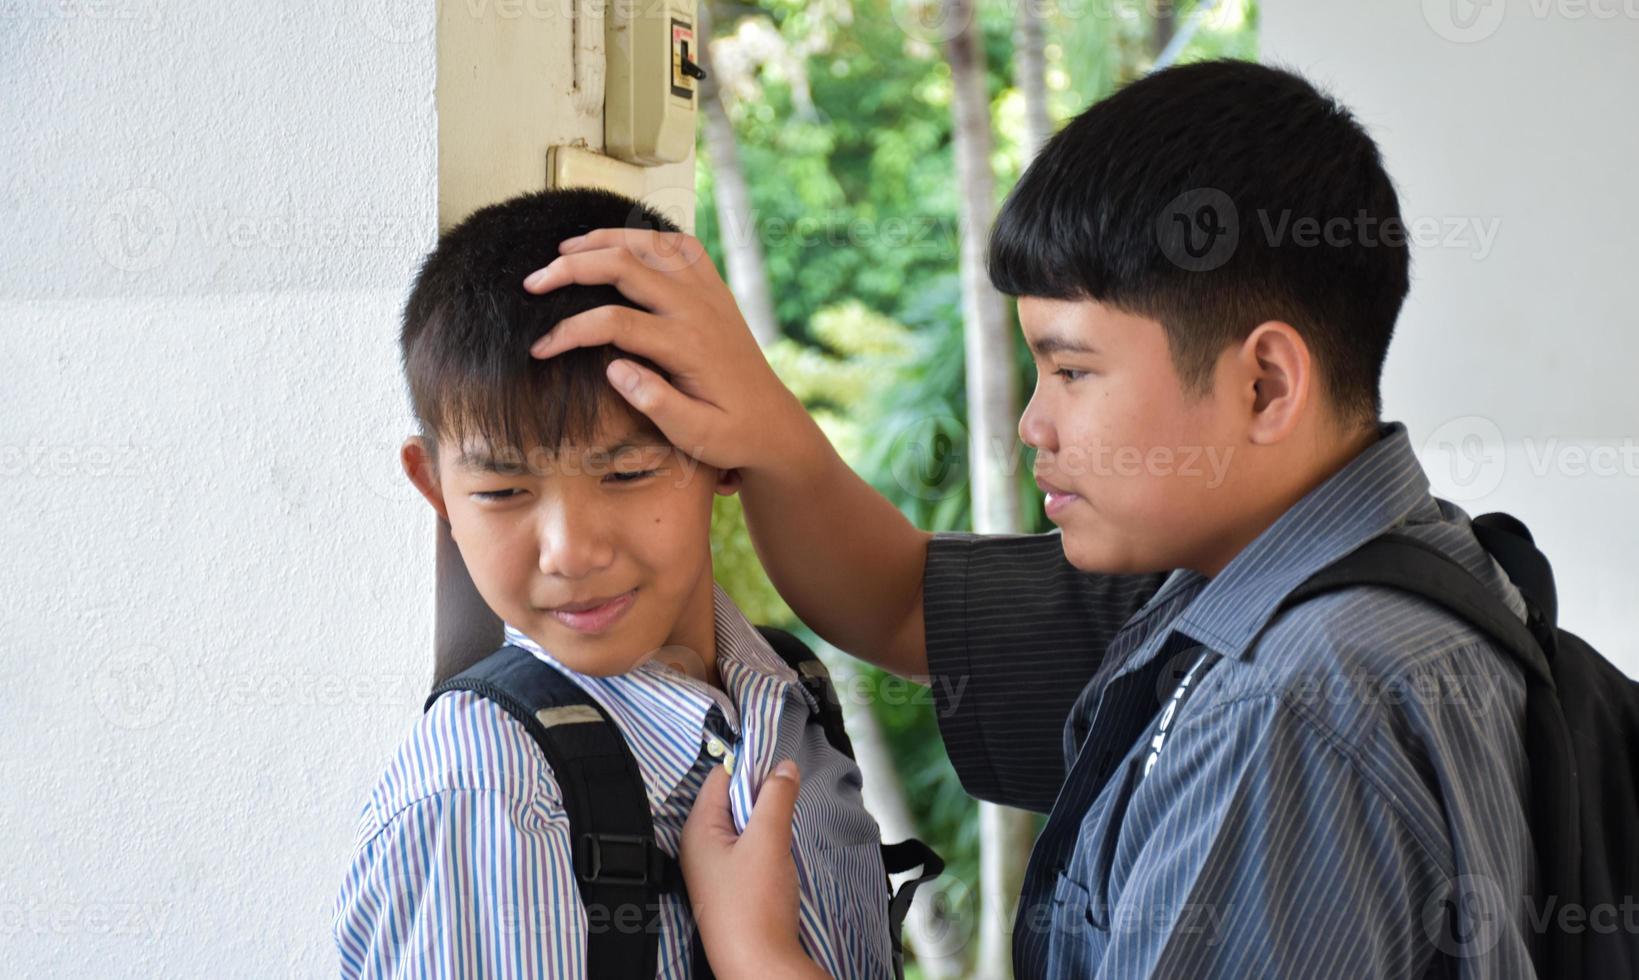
x=1014, y=632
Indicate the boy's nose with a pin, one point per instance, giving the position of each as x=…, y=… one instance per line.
x=574, y=546
x=1034, y=429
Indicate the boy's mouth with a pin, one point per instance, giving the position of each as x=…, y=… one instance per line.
x=593, y=615
x=1057, y=499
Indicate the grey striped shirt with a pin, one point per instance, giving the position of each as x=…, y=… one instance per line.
x=464, y=865
x=1342, y=794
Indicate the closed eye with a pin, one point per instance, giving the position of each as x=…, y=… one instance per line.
x=633, y=476
x=494, y=494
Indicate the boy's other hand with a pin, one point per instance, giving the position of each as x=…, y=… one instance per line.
x=743, y=887
x=724, y=405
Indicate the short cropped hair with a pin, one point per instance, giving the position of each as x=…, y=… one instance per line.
x=1193, y=196
x=468, y=325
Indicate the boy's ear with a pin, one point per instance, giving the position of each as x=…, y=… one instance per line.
x=421, y=466
x=728, y=482
x=1277, y=372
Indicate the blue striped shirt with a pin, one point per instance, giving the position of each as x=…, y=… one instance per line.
x=463, y=867
x=1342, y=794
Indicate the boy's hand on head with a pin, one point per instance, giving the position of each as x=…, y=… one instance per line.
x=724, y=405
x=743, y=887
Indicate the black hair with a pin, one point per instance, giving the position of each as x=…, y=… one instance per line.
x=1191, y=197
x=468, y=325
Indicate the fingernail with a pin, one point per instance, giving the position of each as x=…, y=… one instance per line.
x=787, y=769
x=538, y=276
x=622, y=376
x=568, y=244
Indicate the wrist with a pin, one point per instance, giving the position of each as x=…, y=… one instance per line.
x=794, y=450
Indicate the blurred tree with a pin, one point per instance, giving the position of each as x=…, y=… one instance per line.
x=742, y=252
x=842, y=115
x=1005, y=834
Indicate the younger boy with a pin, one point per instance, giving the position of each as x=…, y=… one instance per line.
x=587, y=533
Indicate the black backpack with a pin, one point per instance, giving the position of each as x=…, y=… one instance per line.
x=1581, y=729
x=619, y=867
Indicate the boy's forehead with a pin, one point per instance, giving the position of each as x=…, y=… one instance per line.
x=1079, y=326
x=1061, y=325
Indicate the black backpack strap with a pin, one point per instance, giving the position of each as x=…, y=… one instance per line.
x=1509, y=541
x=618, y=865
x=817, y=680
x=1398, y=561
x=907, y=855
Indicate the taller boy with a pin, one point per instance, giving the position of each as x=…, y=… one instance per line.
x=1209, y=267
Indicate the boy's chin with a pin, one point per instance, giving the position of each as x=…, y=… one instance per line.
x=1103, y=556
x=596, y=659
x=609, y=655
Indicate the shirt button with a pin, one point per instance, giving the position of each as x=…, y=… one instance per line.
x=717, y=750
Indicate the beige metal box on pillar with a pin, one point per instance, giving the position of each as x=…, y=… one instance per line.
x=650, y=92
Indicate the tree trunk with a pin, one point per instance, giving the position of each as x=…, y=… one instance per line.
x=1163, y=26
x=1178, y=37
x=742, y=247
x=992, y=405
x=1030, y=74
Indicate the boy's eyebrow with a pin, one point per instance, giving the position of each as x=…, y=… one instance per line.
x=479, y=460
x=471, y=459
x=1058, y=344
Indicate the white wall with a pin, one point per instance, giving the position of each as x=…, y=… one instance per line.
x=217, y=589
x=1511, y=132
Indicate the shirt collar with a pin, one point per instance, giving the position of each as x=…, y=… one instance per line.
x=1381, y=488
x=662, y=712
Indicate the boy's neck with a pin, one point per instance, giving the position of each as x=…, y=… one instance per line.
x=692, y=645
x=1283, y=499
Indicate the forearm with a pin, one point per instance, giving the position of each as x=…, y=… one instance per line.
x=844, y=557
x=772, y=964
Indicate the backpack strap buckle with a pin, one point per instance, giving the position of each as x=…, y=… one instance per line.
x=620, y=859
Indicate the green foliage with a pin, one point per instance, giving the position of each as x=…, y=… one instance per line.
x=855, y=200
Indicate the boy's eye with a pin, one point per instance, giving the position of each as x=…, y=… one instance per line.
x=632, y=476
x=1069, y=374
x=494, y=494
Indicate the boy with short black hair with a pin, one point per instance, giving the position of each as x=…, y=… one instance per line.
x=1209, y=265
x=587, y=533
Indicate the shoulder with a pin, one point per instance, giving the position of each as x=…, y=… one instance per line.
x=1389, y=679
x=463, y=850
x=464, y=744
x=1385, y=636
